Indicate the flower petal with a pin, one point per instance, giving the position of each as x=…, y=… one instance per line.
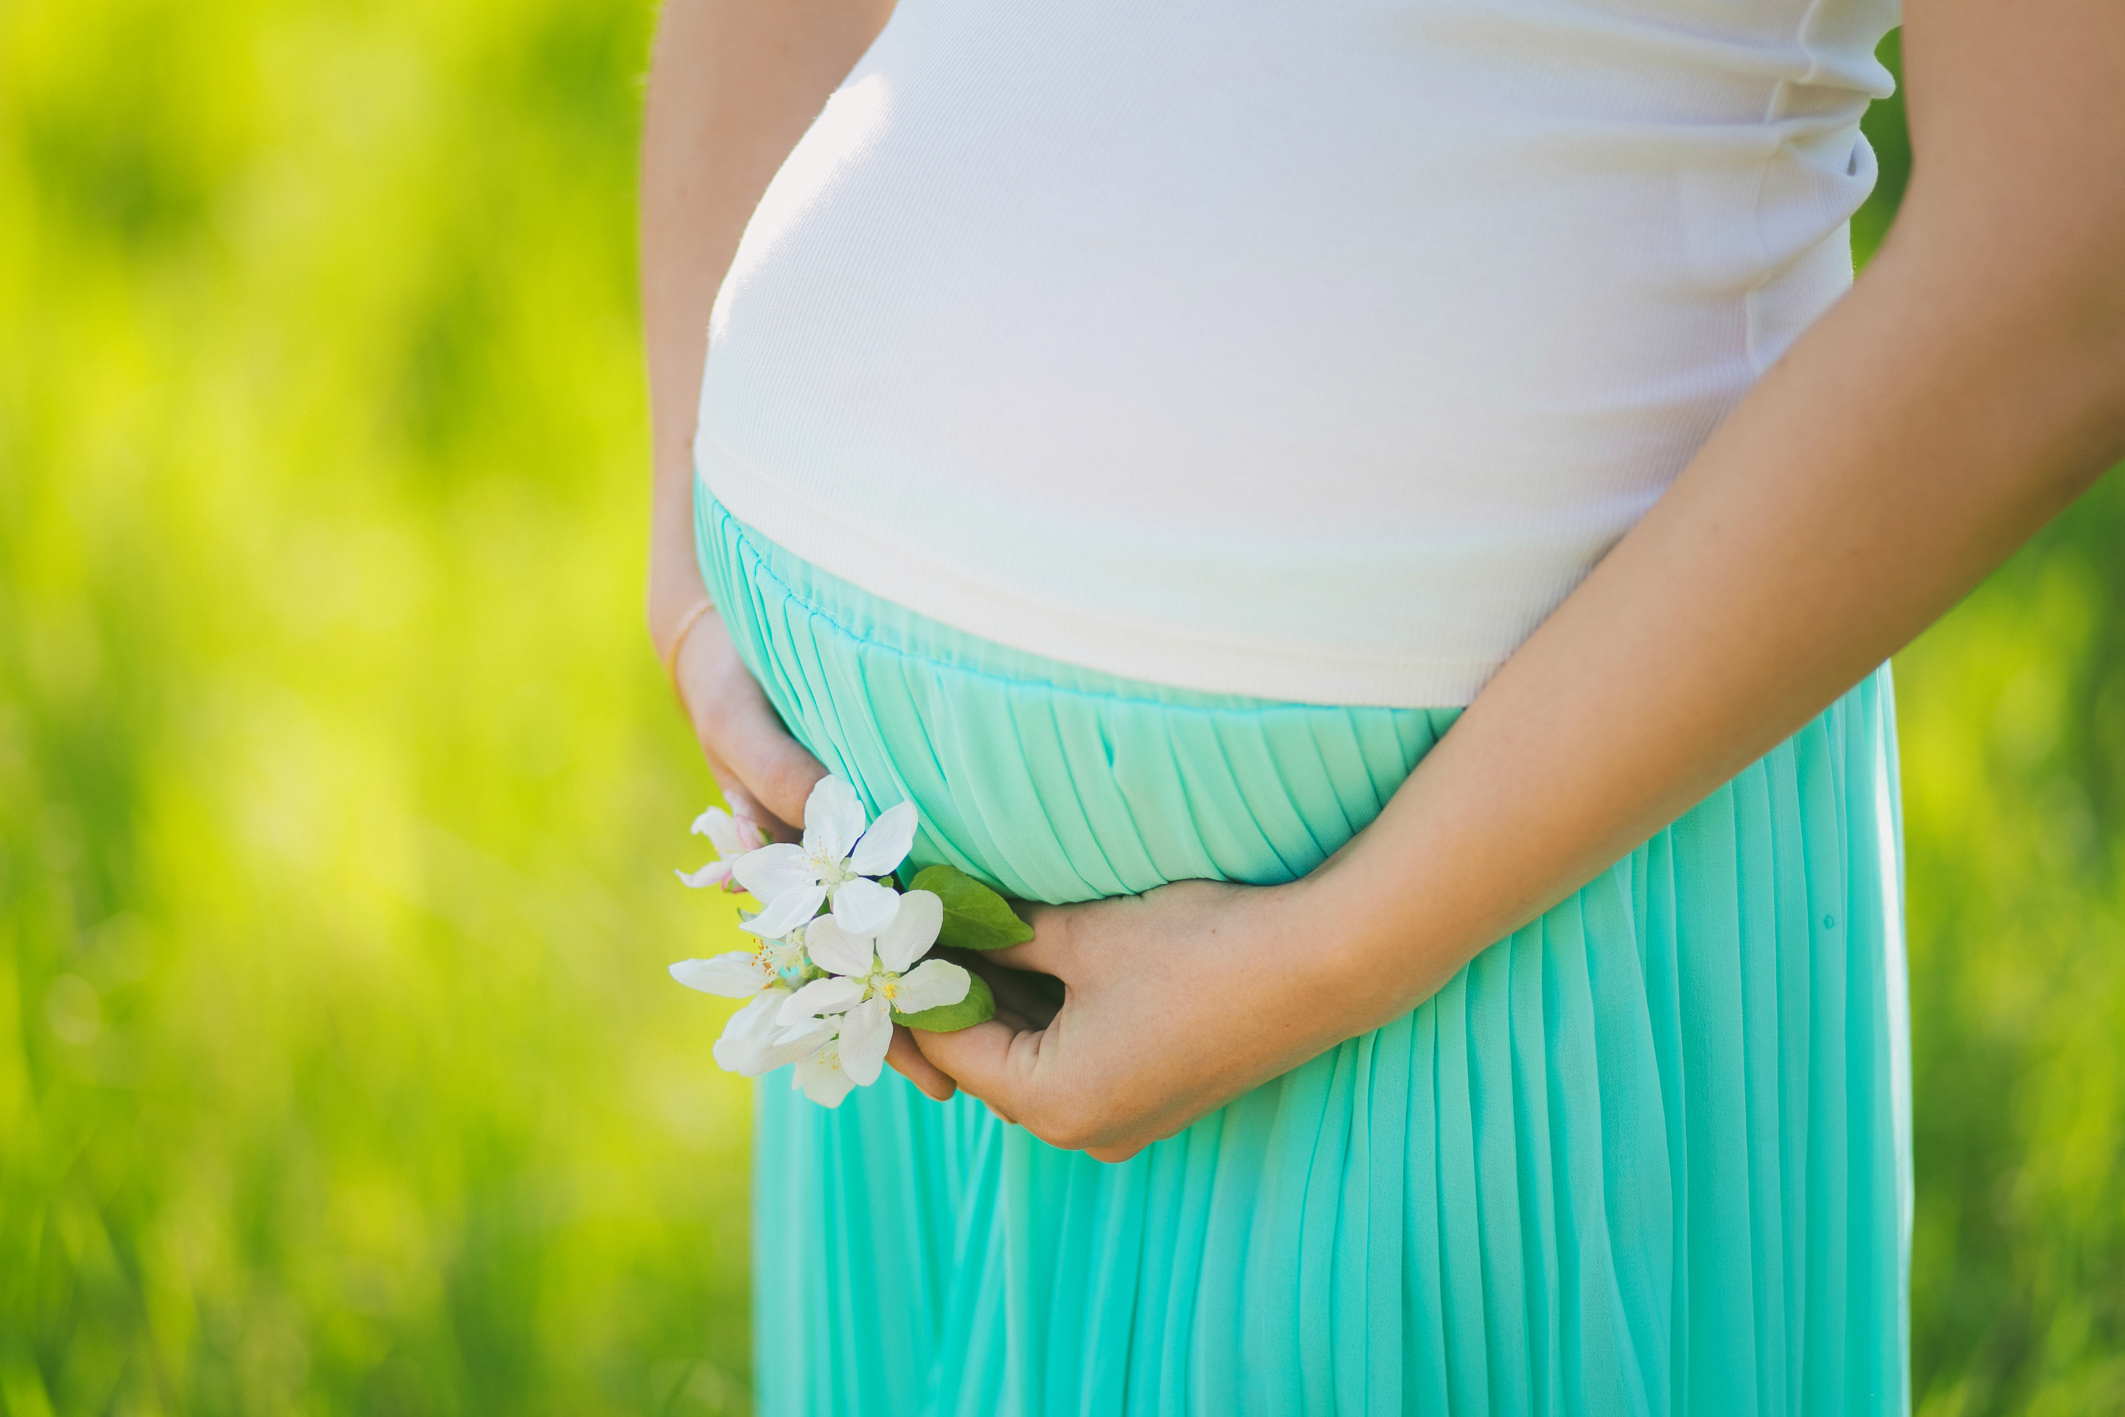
x=913, y=929
x=786, y=912
x=931, y=985
x=749, y=1031
x=886, y=844
x=775, y=870
x=787, y=1045
x=734, y=834
x=833, y=819
x=737, y=975
x=822, y=1079
x=821, y=996
x=835, y=949
x=722, y=832
x=864, y=907
x=866, y=1030
x=715, y=873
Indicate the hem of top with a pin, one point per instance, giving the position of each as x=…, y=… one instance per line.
x=1108, y=644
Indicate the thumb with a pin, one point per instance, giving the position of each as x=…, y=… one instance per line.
x=738, y=727
x=1048, y=952
x=990, y=1060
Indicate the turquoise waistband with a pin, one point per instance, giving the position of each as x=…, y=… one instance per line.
x=1165, y=783
x=867, y=617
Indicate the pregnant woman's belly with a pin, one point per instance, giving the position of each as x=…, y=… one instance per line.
x=1306, y=351
x=1647, y=1156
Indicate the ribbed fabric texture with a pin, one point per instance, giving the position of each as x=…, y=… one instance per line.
x=1648, y=1155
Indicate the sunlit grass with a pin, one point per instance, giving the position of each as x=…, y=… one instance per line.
x=338, y=790
x=337, y=1066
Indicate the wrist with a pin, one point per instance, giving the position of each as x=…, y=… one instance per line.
x=1375, y=952
x=667, y=609
x=695, y=614
x=674, y=585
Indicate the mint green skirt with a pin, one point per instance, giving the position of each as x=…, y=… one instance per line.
x=1651, y=1154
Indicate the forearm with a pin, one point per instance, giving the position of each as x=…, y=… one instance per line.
x=733, y=85
x=1970, y=386
x=1855, y=497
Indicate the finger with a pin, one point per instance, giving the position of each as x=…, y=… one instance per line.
x=1014, y=1020
x=1024, y=1001
x=738, y=800
x=1048, y=952
x=989, y=1060
x=739, y=727
x=906, y=1059
x=774, y=767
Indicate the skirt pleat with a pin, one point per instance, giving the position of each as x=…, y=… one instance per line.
x=1648, y=1155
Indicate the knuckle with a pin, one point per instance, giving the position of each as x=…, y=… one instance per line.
x=1068, y=1126
x=1061, y=1138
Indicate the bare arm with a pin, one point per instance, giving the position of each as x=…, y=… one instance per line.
x=733, y=85
x=1970, y=386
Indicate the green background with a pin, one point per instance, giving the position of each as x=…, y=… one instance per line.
x=339, y=793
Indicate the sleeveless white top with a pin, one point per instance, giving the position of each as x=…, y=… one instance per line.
x=1308, y=351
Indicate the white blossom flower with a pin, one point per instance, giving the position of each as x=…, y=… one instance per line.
x=756, y=1042
x=820, y=1073
x=870, y=945
x=742, y=973
x=747, y=1046
x=750, y=1041
x=733, y=834
x=873, y=976
x=839, y=851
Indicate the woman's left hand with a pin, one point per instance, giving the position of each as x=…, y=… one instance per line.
x=1174, y=1003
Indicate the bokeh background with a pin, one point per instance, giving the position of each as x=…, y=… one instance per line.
x=339, y=793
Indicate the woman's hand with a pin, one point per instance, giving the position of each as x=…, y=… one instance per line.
x=758, y=765
x=763, y=770
x=1173, y=1003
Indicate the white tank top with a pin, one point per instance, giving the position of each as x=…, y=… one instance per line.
x=1312, y=351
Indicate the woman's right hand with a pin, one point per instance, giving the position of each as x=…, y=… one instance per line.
x=763, y=770
x=758, y=765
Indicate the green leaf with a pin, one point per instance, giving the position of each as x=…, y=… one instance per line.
x=979, y=1006
x=975, y=917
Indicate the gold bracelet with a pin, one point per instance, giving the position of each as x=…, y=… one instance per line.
x=678, y=641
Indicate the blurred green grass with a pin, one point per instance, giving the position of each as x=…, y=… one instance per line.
x=338, y=791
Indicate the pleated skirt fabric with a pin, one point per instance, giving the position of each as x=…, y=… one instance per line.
x=1649, y=1155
